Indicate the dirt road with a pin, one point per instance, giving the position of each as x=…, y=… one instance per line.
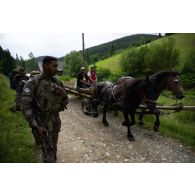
x=84, y=139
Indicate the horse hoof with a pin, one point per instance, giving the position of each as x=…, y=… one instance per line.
x=95, y=115
x=156, y=128
x=106, y=124
x=131, y=139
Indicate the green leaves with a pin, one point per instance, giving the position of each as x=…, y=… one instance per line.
x=152, y=59
x=73, y=61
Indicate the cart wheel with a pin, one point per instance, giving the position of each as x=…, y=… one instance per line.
x=85, y=107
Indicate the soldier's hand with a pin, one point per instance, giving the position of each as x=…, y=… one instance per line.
x=42, y=131
x=60, y=91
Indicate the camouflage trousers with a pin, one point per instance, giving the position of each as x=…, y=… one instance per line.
x=48, y=144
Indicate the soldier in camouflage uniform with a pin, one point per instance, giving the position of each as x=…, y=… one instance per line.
x=19, y=81
x=51, y=98
x=36, y=136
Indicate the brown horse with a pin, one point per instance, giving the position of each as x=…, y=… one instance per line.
x=169, y=80
x=126, y=96
x=129, y=93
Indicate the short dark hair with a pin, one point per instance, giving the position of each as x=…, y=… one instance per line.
x=48, y=59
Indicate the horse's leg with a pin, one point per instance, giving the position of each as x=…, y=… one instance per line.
x=141, y=117
x=157, y=122
x=104, y=121
x=132, y=114
x=129, y=134
x=95, y=105
x=127, y=123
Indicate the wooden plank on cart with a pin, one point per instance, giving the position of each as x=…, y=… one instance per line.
x=81, y=93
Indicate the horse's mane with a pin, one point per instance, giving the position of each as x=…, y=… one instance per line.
x=163, y=74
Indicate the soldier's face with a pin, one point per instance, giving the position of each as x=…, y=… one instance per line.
x=51, y=68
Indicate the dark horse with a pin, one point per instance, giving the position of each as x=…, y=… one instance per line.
x=126, y=96
x=129, y=92
x=169, y=80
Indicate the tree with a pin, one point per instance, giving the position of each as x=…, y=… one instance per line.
x=111, y=50
x=32, y=63
x=133, y=62
x=152, y=59
x=73, y=61
x=7, y=62
x=20, y=62
x=162, y=56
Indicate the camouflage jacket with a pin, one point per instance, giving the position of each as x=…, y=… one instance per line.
x=42, y=88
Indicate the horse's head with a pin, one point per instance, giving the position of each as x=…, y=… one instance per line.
x=174, y=84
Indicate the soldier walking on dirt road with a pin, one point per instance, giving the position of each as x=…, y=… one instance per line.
x=43, y=97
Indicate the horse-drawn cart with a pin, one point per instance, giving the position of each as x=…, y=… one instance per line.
x=127, y=95
x=88, y=103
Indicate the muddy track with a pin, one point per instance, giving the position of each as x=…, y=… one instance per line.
x=84, y=139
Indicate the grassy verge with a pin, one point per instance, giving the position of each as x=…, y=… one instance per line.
x=180, y=125
x=16, y=142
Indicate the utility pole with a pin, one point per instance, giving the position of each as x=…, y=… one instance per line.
x=84, y=55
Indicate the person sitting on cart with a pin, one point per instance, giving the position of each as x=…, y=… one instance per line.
x=92, y=74
x=83, y=80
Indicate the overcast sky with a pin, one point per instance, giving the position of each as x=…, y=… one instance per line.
x=56, y=45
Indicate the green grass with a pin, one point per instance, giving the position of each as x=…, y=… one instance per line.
x=184, y=43
x=180, y=125
x=16, y=142
x=111, y=63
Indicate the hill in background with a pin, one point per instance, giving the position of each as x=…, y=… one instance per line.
x=184, y=42
x=105, y=50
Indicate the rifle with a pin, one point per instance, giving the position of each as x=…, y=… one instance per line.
x=47, y=143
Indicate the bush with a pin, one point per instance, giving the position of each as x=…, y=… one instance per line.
x=188, y=80
x=162, y=56
x=65, y=78
x=114, y=77
x=103, y=74
x=188, y=71
x=150, y=59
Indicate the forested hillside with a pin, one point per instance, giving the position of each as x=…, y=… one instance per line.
x=105, y=50
x=7, y=62
x=176, y=51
